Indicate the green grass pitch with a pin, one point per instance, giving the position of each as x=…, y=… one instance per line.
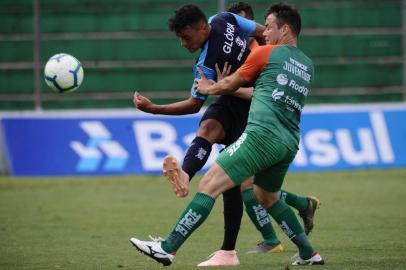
x=85, y=223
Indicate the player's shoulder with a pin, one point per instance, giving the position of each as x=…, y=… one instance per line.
x=263, y=49
x=222, y=17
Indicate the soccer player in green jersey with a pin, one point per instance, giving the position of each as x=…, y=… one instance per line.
x=283, y=75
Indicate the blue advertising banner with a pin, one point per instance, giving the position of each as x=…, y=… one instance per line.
x=333, y=138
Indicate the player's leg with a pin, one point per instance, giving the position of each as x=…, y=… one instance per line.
x=233, y=211
x=238, y=114
x=232, y=113
x=213, y=183
x=211, y=130
x=290, y=225
x=238, y=161
x=267, y=184
x=306, y=206
x=260, y=218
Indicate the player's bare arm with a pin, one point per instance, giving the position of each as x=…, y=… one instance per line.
x=258, y=34
x=187, y=106
x=244, y=93
x=228, y=85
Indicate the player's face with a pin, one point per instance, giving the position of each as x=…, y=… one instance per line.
x=192, y=38
x=272, y=32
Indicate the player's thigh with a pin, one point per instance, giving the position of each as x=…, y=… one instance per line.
x=271, y=178
x=214, y=123
x=240, y=160
x=215, y=181
x=231, y=113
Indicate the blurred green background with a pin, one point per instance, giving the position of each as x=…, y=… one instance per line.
x=126, y=45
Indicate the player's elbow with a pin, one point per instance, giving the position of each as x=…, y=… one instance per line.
x=194, y=105
x=194, y=110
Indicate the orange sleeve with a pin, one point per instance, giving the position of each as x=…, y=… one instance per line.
x=255, y=62
x=253, y=43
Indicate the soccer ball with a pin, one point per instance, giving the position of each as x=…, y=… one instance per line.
x=63, y=73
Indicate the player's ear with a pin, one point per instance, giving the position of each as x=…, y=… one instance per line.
x=204, y=26
x=286, y=29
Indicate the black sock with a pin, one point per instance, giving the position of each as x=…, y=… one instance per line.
x=233, y=210
x=196, y=156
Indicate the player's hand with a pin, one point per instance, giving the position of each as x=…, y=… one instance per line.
x=142, y=103
x=222, y=74
x=203, y=83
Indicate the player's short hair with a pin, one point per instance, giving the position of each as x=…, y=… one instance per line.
x=286, y=14
x=187, y=15
x=237, y=7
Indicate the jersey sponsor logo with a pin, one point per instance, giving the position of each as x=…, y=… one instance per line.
x=243, y=44
x=240, y=42
x=296, y=68
x=228, y=42
x=276, y=94
x=298, y=64
x=292, y=104
x=282, y=79
x=298, y=88
x=235, y=146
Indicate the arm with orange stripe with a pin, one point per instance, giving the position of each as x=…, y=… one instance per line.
x=249, y=71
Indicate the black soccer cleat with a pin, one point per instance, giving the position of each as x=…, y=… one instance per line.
x=308, y=214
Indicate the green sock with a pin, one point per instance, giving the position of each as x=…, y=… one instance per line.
x=289, y=224
x=296, y=201
x=259, y=217
x=191, y=218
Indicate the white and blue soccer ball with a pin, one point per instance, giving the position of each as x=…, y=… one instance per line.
x=63, y=73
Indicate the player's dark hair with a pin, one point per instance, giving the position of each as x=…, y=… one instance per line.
x=187, y=15
x=241, y=6
x=286, y=14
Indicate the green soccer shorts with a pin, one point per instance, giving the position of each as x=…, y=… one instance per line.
x=257, y=154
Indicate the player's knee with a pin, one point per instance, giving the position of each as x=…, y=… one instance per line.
x=247, y=184
x=265, y=199
x=211, y=130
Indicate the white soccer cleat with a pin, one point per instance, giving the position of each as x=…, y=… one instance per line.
x=315, y=259
x=153, y=249
x=176, y=176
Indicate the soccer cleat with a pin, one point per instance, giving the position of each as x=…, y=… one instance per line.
x=308, y=214
x=315, y=259
x=153, y=249
x=264, y=247
x=176, y=176
x=222, y=258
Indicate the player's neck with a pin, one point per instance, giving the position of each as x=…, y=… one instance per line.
x=289, y=41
